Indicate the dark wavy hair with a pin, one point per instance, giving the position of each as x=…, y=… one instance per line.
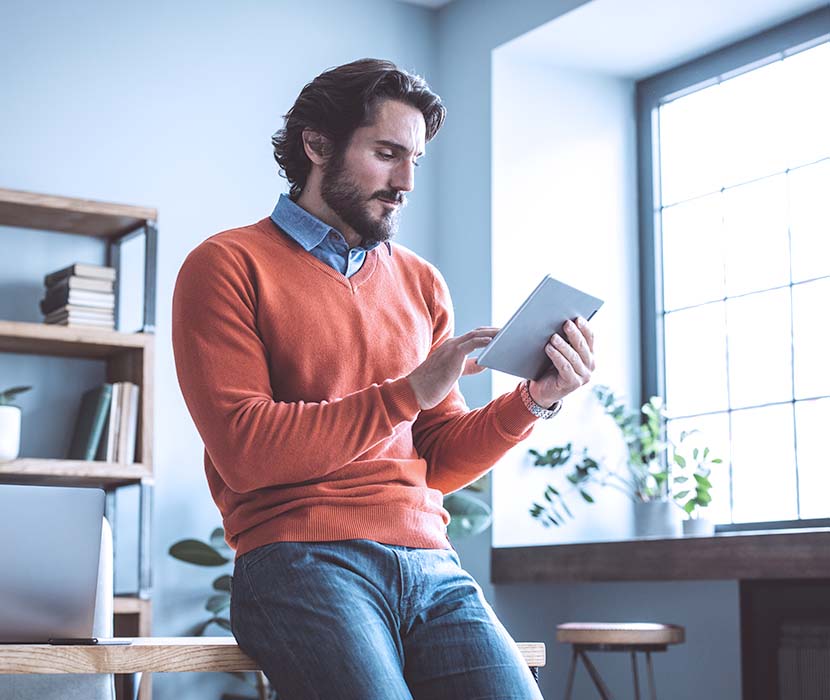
x=339, y=101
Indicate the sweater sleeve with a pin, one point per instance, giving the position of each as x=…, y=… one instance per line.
x=460, y=445
x=222, y=367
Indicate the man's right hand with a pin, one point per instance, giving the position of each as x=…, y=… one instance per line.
x=435, y=377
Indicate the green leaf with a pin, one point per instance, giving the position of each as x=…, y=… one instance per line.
x=705, y=452
x=717, y=460
x=695, y=453
x=223, y=583
x=586, y=496
x=680, y=460
x=197, y=552
x=689, y=507
x=681, y=479
x=552, y=490
x=469, y=515
x=682, y=494
x=217, y=603
x=703, y=481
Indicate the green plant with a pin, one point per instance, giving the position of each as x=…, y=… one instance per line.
x=649, y=460
x=7, y=396
x=216, y=553
x=698, y=469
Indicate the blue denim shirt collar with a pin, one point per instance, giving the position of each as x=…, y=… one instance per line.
x=305, y=228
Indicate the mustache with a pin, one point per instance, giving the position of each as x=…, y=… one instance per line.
x=397, y=197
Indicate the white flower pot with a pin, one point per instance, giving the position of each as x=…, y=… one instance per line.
x=698, y=527
x=9, y=433
x=656, y=519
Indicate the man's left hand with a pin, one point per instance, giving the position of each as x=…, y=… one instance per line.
x=573, y=362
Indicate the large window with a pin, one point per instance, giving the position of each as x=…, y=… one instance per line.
x=740, y=261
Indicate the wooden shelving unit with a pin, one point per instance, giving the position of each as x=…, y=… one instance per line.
x=128, y=357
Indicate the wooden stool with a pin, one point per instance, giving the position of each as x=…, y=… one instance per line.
x=616, y=636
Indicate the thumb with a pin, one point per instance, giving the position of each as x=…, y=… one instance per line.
x=472, y=367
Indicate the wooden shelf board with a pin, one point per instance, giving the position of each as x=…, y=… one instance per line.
x=62, y=472
x=156, y=655
x=69, y=215
x=775, y=554
x=67, y=341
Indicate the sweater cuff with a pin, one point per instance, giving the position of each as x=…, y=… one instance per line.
x=515, y=419
x=400, y=400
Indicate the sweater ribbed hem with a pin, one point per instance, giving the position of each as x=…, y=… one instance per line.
x=400, y=400
x=514, y=418
x=386, y=524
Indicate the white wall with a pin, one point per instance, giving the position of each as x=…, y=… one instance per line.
x=564, y=203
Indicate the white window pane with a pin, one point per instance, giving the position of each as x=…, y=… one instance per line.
x=812, y=419
x=757, y=243
x=753, y=116
x=811, y=339
x=807, y=102
x=760, y=348
x=810, y=219
x=714, y=434
x=695, y=342
x=690, y=146
x=693, y=252
x=763, y=464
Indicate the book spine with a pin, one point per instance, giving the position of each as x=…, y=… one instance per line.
x=98, y=420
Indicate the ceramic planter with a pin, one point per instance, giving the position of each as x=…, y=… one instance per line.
x=9, y=433
x=656, y=519
x=698, y=527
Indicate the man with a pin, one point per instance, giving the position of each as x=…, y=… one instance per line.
x=319, y=365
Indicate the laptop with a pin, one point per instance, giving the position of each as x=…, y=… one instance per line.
x=50, y=543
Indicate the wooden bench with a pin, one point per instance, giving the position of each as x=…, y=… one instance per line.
x=159, y=655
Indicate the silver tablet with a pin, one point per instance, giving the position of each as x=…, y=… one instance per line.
x=519, y=347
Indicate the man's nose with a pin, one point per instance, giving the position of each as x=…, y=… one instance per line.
x=403, y=177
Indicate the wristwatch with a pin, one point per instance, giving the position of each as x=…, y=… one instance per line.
x=535, y=408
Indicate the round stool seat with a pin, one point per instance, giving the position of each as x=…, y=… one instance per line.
x=622, y=633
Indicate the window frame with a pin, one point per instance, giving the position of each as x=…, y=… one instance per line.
x=754, y=52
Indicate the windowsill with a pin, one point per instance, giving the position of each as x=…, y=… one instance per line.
x=771, y=554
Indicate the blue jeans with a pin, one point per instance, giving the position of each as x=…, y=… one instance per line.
x=361, y=620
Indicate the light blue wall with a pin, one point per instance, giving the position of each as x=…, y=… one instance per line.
x=172, y=105
x=169, y=105
x=469, y=31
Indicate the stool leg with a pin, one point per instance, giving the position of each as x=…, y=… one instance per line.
x=636, y=678
x=651, y=676
x=598, y=682
x=571, y=672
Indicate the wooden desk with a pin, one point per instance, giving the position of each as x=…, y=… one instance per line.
x=156, y=655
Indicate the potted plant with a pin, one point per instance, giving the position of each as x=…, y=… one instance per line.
x=645, y=480
x=695, y=498
x=10, y=423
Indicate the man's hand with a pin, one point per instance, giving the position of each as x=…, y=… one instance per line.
x=572, y=364
x=433, y=379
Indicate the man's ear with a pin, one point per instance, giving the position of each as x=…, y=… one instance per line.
x=317, y=146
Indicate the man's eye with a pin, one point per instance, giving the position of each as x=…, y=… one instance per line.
x=385, y=156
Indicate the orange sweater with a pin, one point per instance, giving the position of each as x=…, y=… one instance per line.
x=295, y=377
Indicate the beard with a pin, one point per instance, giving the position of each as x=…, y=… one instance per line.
x=345, y=198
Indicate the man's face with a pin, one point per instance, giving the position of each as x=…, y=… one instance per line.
x=365, y=185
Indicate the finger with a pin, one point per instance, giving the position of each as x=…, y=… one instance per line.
x=472, y=367
x=583, y=326
x=475, y=343
x=572, y=357
x=483, y=332
x=569, y=379
x=580, y=343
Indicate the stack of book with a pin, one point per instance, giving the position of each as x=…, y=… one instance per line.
x=80, y=295
x=107, y=423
